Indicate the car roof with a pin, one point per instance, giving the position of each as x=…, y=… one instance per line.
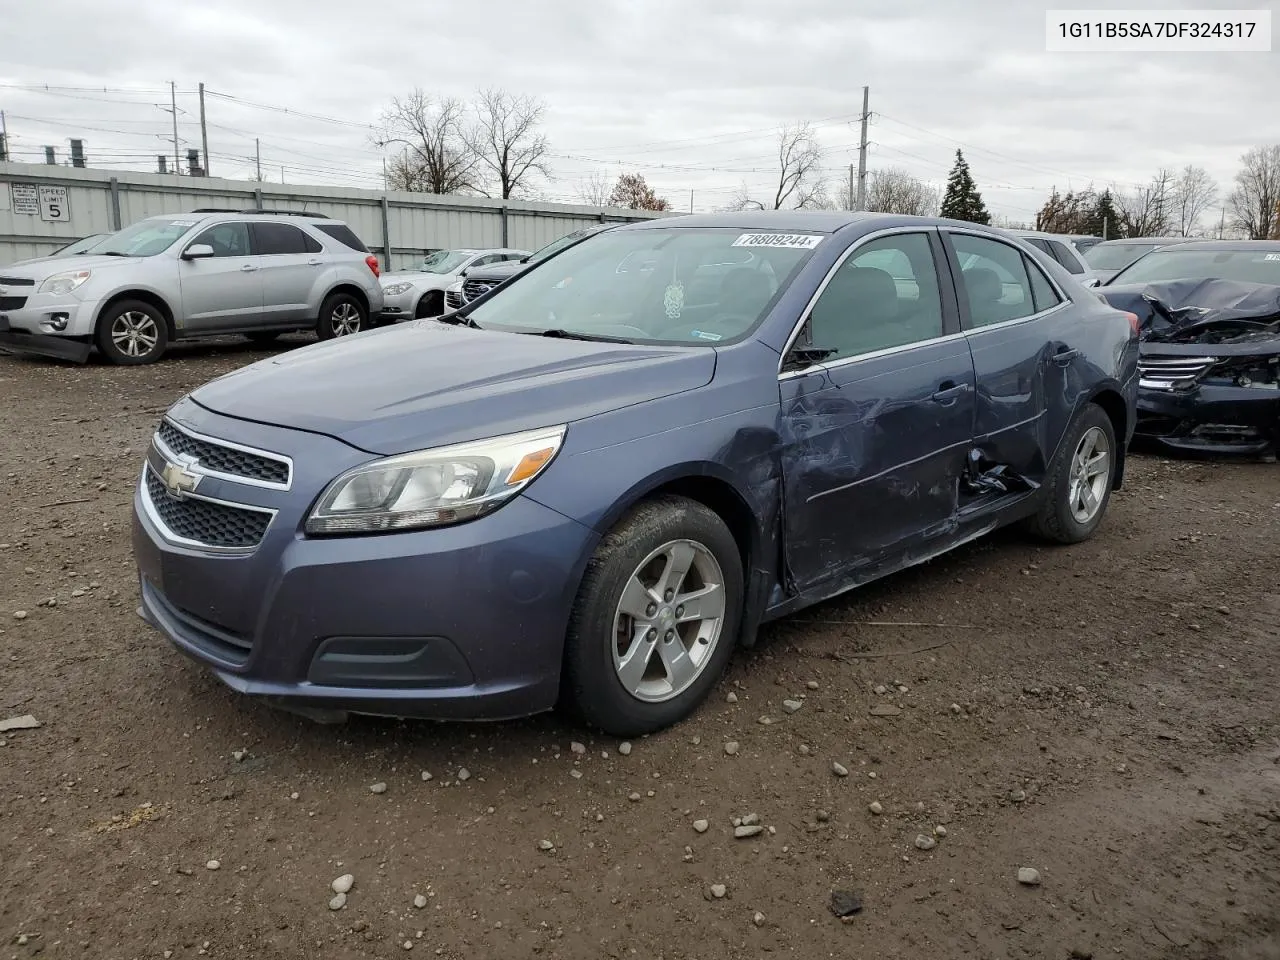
x=813, y=221
x=208, y=213
x=1162, y=240
x=1047, y=236
x=1231, y=246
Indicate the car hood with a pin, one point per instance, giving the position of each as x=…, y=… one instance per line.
x=418, y=277
x=1201, y=311
x=46, y=267
x=424, y=384
x=497, y=271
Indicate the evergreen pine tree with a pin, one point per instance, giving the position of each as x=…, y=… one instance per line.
x=962, y=200
x=1105, y=221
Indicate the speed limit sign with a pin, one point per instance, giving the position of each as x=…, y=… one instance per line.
x=55, y=206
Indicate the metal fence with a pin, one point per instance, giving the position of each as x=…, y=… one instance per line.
x=43, y=207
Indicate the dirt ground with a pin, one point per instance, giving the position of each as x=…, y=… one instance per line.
x=1108, y=714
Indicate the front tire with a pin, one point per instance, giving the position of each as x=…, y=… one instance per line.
x=341, y=315
x=1078, y=486
x=656, y=618
x=131, y=333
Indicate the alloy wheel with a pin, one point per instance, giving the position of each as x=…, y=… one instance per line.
x=134, y=333
x=1090, y=474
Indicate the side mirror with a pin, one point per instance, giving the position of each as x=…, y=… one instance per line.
x=801, y=358
x=198, y=251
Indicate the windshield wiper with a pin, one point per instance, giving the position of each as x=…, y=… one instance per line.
x=112, y=253
x=458, y=319
x=574, y=335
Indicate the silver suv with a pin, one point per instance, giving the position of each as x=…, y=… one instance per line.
x=259, y=273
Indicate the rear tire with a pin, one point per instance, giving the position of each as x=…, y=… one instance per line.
x=655, y=620
x=341, y=315
x=430, y=304
x=1078, y=486
x=131, y=333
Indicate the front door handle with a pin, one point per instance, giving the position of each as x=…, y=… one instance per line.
x=1065, y=356
x=248, y=268
x=948, y=391
x=313, y=263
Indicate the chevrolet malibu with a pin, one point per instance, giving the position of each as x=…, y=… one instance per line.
x=592, y=484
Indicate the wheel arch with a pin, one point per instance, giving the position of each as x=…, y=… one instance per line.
x=1113, y=405
x=149, y=297
x=351, y=289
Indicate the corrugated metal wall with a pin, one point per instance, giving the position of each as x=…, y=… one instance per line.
x=100, y=201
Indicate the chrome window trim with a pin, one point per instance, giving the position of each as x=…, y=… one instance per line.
x=804, y=314
x=197, y=467
x=154, y=516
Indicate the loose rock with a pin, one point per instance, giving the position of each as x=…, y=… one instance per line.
x=576, y=774
x=378, y=788
x=812, y=684
x=420, y=902
x=338, y=902
x=19, y=614
x=822, y=816
x=741, y=833
x=731, y=698
x=624, y=749
x=546, y=845
x=791, y=706
x=955, y=708
x=939, y=831
x=464, y=774
x=213, y=865
x=876, y=807
x=1017, y=796
x=758, y=919
x=731, y=748
x=845, y=903
x=578, y=748
x=718, y=890
x=239, y=755
x=343, y=884
x=924, y=842
x=701, y=826
x=839, y=769
x=1029, y=876
x=881, y=689
x=425, y=776
x=634, y=798
x=751, y=819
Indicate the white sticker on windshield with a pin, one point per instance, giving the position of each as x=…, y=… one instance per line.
x=797, y=241
x=1272, y=256
x=185, y=223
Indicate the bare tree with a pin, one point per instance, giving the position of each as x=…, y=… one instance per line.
x=433, y=157
x=595, y=190
x=633, y=192
x=1148, y=211
x=742, y=200
x=801, y=179
x=1255, y=200
x=1193, y=193
x=506, y=141
x=894, y=190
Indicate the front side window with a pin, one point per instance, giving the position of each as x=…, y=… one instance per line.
x=647, y=285
x=884, y=295
x=227, y=239
x=993, y=280
x=145, y=238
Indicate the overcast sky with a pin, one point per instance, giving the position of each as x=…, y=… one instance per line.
x=688, y=93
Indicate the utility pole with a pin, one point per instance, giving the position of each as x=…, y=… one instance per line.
x=852, y=190
x=691, y=201
x=862, y=152
x=1222, y=223
x=204, y=131
x=4, y=137
x=173, y=103
x=257, y=150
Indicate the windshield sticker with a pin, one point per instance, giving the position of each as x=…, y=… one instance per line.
x=792, y=241
x=184, y=223
x=701, y=335
x=1272, y=256
x=673, y=300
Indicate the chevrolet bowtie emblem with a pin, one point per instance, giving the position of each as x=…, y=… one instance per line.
x=178, y=480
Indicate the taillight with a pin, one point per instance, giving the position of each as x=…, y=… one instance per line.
x=372, y=261
x=1133, y=322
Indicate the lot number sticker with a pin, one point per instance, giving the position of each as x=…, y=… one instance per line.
x=796, y=241
x=26, y=199
x=54, y=206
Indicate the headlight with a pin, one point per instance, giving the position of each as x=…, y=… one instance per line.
x=395, y=288
x=434, y=488
x=62, y=283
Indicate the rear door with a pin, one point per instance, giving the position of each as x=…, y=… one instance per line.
x=1011, y=313
x=290, y=262
x=224, y=290
x=874, y=435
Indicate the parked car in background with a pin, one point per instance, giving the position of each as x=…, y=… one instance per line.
x=179, y=276
x=1083, y=242
x=480, y=279
x=598, y=480
x=1059, y=246
x=413, y=294
x=1108, y=258
x=1209, y=311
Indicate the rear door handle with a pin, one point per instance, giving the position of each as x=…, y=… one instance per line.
x=948, y=391
x=314, y=263
x=248, y=267
x=1065, y=356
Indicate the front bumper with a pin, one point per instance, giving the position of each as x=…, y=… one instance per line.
x=1210, y=419
x=397, y=307
x=463, y=622
x=49, y=326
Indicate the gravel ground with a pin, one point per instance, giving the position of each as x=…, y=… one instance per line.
x=1102, y=720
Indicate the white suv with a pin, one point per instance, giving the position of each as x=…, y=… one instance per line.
x=208, y=273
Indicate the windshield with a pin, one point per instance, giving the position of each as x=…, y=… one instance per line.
x=555, y=246
x=654, y=285
x=80, y=246
x=145, y=238
x=1113, y=256
x=1170, y=263
x=444, y=261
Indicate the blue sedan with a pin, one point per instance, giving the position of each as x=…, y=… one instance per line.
x=591, y=484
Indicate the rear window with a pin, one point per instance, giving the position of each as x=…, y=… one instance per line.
x=273, y=239
x=342, y=233
x=1065, y=256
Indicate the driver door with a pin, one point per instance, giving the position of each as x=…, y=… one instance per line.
x=876, y=431
x=225, y=290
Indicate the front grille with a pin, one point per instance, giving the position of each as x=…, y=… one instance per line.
x=230, y=647
x=1173, y=373
x=228, y=460
x=12, y=303
x=206, y=523
x=475, y=288
x=16, y=282
x=453, y=299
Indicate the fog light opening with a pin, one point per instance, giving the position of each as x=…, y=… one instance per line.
x=57, y=322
